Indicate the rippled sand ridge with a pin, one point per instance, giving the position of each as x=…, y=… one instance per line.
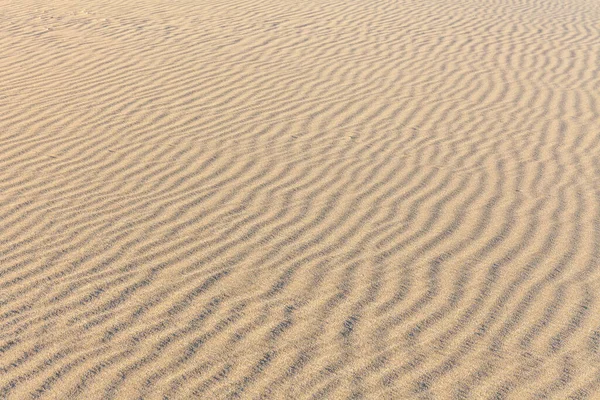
x=321, y=199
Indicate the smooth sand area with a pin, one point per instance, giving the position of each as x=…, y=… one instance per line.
x=320, y=199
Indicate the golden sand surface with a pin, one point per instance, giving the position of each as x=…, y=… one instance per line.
x=320, y=199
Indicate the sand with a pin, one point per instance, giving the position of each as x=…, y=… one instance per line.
x=285, y=199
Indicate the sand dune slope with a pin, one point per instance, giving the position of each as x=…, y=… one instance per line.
x=323, y=199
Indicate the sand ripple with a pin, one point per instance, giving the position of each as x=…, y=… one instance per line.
x=310, y=199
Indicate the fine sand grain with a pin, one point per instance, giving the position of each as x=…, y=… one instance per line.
x=320, y=199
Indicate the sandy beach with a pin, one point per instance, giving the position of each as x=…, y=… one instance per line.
x=322, y=199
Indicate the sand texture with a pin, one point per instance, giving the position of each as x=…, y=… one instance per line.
x=320, y=199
